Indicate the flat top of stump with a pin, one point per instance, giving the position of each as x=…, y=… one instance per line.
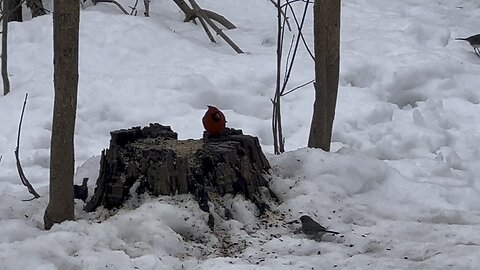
x=183, y=148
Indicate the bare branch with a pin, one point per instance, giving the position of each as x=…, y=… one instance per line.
x=299, y=29
x=113, y=2
x=196, y=9
x=295, y=1
x=23, y=178
x=298, y=87
x=219, y=18
x=290, y=67
x=190, y=15
x=134, y=8
x=214, y=26
x=283, y=14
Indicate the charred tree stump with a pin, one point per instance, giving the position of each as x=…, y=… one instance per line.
x=153, y=160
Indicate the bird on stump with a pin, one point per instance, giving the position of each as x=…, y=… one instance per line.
x=214, y=121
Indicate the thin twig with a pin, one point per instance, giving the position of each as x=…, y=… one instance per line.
x=295, y=1
x=276, y=110
x=298, y=87
x=134, y=8
x=290, y=68
x=23, y=178
x=283, y=14
x=287, y=61
x=299, y=29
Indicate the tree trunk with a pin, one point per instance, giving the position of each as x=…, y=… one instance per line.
x=327, y=59
x=16, y=10
x=65, y=50
x=36, y=7
x=6, y=81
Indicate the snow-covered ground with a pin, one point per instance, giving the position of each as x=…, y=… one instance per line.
x=401, y=186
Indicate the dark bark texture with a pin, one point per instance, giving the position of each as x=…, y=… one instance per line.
x=4, y=66
x=66, y=18
x=14, y=10
x=327, y=60
x=36, y=8
x=160, y=164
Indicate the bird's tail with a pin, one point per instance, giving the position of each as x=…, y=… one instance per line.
x=334, y=232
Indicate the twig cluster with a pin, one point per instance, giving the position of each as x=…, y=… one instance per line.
x=283, y=10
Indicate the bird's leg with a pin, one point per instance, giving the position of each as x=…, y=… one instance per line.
x=477, y=51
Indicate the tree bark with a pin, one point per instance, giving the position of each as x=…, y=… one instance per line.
x=6, y=80
x=65, y=47
x=152, y=159
x=16, y=10
x=327, y=60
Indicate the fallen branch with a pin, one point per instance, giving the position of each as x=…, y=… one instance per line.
x=201, y=13
x=214, y=16
x=23, y=178
x=191, y=15
x=203, y=23
x=112, y=2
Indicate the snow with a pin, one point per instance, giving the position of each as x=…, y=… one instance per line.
x=401, y=184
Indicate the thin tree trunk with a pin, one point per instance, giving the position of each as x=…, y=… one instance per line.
x=65, y=47
x=6, y=81
x=327, y=61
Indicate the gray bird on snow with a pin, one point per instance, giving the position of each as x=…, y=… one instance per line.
x=474, y=42
x=312, y=229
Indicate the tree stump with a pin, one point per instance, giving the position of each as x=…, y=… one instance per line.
x=152, y=159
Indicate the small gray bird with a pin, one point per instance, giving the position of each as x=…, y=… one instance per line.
x=312, y=229
x=474, y=42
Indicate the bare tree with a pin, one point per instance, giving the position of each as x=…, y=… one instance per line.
x=10, y=13
x=65, y=53
x=327, y=59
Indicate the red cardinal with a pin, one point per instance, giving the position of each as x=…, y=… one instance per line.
x=214, y=121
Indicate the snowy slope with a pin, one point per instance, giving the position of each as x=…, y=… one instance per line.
x=402, y=186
